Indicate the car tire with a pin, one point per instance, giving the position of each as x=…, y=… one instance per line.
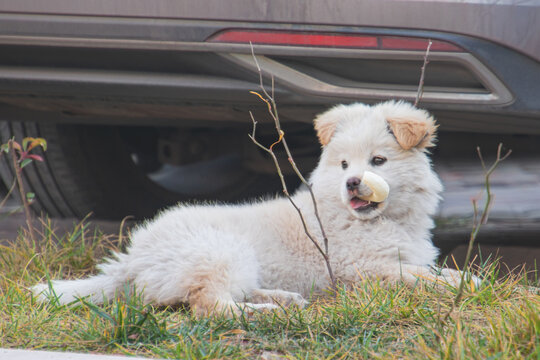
x=86, y=169
x=89, y=170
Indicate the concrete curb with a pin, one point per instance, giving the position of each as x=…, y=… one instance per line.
x=16, y=354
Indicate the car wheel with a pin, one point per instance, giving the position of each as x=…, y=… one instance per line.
x=93, y=169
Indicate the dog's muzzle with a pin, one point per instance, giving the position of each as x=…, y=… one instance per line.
x=368, y=192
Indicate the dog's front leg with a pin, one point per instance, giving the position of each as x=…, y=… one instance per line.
x=453, y=277
x=441, y=276
x=260, y=300
x=278, y=297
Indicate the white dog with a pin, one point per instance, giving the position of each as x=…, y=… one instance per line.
x=234, y=258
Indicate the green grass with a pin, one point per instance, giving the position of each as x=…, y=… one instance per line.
x=501, y=320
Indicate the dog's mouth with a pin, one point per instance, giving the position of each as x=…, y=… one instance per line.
x=360, y=205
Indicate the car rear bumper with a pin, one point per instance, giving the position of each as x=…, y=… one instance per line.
x=165, y=70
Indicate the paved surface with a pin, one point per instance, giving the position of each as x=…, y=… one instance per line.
x=11, y=224
x=11, y=354
x=515, y=183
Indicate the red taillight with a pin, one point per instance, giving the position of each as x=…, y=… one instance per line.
x=407, y=43
x=298, y=38
x=380, y=42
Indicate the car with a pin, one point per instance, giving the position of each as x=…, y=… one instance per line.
x=145, y=104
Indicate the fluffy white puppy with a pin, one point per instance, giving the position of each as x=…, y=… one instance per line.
x=234, y=258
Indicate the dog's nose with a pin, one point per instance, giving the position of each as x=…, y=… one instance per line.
x=352, y=183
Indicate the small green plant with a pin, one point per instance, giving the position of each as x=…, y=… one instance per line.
x=21, y=156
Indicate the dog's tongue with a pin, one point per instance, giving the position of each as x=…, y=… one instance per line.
x=357, y=203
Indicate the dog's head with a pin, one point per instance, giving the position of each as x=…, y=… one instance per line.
x=386, y=142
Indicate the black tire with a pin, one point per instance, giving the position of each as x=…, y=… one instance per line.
x=89, y=169
x=85, y=171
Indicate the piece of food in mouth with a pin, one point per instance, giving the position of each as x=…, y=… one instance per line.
x=378, y=186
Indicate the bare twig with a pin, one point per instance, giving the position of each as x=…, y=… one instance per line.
x=17, y=168
x=477, y=223
x=272, y=110
x=420, y=90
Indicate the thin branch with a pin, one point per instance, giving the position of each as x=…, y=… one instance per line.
x=420, y=90
x=475, y=212
x=273, y=111
x=287, y=194
x=269, y=151
x=481, y=158
x=483, y=219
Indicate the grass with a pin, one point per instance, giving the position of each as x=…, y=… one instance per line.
x=500, y=320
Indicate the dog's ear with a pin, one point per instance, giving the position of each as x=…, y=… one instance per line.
x=325, y=125
x=416, y=129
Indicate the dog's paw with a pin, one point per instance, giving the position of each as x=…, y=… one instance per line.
x=453, y=277
x=231, y=309
x=249, y=309
x=278, y=297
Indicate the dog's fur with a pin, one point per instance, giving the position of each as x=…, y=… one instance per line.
x=253, y=256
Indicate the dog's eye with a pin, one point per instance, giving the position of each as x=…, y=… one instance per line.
x=378, y=160
x=344, y=165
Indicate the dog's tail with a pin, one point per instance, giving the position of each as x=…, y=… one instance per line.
x=94, y=289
